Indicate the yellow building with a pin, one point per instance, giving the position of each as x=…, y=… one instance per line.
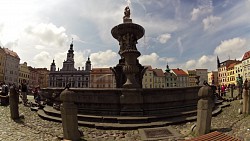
x=148, y=78
x=231, y=75
x=223, y=77
x=24, y=73
x=212, y=78
x=2, y=63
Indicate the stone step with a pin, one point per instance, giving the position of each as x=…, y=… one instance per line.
x=120, y=119
x=119, y=126
x=126, y=123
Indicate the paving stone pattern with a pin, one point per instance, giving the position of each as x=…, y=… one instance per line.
x=32, y=127
x=229, y=121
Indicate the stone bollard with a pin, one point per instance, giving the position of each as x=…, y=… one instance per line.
x=232, y=91
x=248, y=100
x=204, y=111
x=14, y=100
x=69, y=116
x=245, y=97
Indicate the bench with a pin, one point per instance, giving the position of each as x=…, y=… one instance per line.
x=4, y=100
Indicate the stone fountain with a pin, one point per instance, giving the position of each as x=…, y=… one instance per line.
x=129, y=72
x=128, y=106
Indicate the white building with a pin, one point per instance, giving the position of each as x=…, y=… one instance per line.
x=246, y=66
x=11, y=71
x=69, y=74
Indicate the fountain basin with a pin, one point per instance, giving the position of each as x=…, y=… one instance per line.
x=125, y=28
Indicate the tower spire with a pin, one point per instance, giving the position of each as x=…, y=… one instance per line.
x=218, y=62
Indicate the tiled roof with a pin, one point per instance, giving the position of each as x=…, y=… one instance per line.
x=158, y=72
x=214, y=136
x=179, y=72
x=11, y=53
x=202, y=69
x=149, y=68
x=246, y=56
x=231, y=65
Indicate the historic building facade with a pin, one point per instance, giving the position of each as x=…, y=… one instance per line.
x=68, y=74
x=148, y=78
x=203, y=75
x=170, y=78
x=212, y=78
x=2, y=63
x=102, y=78
x=24, y=73
x=159, y=78
x=192, y=77
x=182, y=77
x=223, y=71
x=11, y=68
x=246, y=66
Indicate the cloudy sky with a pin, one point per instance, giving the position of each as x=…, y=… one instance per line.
x=186, y=34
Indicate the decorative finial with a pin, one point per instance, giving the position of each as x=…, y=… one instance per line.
x=72, y=40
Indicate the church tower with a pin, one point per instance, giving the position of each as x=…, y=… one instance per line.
x=88, y=65
x=53, y=66
x=69, y=64
x=218, y=62
x=167, y=69
x=70, y=54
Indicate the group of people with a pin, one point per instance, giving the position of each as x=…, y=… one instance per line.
x=4, y=89
x=23, y=91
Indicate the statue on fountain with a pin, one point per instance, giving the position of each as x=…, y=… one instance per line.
x=126, y=17
x=126, y=13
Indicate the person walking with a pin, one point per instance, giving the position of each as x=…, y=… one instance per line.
x=24, y=91
x=223, y=90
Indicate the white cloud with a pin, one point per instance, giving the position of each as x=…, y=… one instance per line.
x=211, y=22
x=41, y=59
x=163, y=38
x=40, y=47
x=190, y=64
x=166, y=60
x=106, y=58
x=155, y=60
x=204, y=8
x=197, y=12
x=1, y=27
x=59, y=59
x=204, y=62
x=48, y=34
x=233, y=47
x=149, y=59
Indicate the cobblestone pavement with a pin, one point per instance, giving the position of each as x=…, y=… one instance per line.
x=229, y=121
x=32, y=127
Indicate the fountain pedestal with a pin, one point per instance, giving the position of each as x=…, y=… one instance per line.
x=127, y=33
